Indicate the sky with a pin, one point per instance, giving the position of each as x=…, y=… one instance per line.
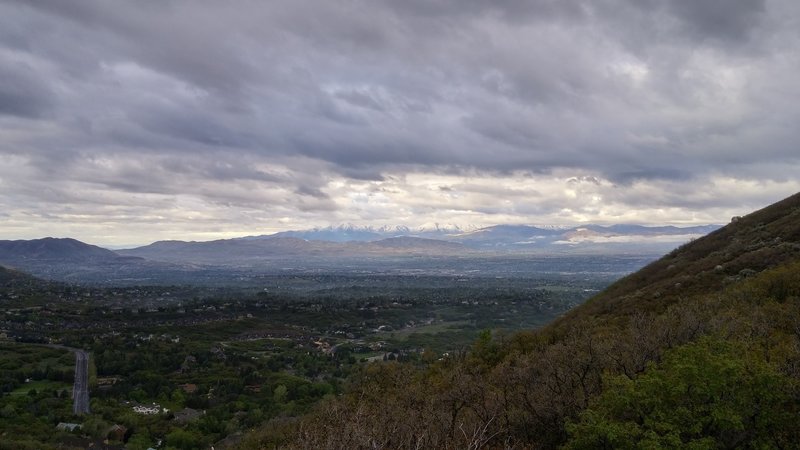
x=128, y=122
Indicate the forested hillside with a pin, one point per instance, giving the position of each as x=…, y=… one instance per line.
x=11, y=277
x=700, y=349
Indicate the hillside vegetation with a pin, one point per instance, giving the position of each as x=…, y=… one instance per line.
x=766, y=238
x=700, y=349
x=11, y=277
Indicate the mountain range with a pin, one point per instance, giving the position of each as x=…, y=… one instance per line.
x=332, y=248
x=55, y=249
x=248, y=250
x=506, y=237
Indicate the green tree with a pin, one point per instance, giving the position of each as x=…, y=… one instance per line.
x=178, y=397
x=280, y=393
x=704, y=395
x=184, y=439
x=8, y=412
x=140, y=440
x=95, y=427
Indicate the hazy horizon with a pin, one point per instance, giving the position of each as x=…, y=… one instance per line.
x=418, y=231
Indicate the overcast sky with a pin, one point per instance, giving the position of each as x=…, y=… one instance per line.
x=126, y=122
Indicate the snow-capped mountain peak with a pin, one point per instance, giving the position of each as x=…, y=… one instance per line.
x=448, y=228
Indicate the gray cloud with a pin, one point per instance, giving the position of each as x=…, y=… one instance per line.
x=22, y=93
x=731, y=22
x=277, y=106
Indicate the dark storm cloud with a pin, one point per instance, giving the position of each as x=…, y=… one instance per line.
x=514, y=10
x=21, y=92
x=287, y=100
x=726, y=20
x=174, y=38
x=734, y=26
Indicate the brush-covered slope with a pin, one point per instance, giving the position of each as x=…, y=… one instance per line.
x=700, y=349
x=748, y=245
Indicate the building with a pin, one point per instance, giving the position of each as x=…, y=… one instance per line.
x=65, y=426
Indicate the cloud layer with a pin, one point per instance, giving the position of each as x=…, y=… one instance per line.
x=126, y=122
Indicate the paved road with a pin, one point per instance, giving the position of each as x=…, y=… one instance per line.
x=80, y=390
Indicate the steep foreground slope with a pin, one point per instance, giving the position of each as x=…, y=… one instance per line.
x=701, y=349
x=766, y=238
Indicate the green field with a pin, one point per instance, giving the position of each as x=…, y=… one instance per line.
x=41, y=385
